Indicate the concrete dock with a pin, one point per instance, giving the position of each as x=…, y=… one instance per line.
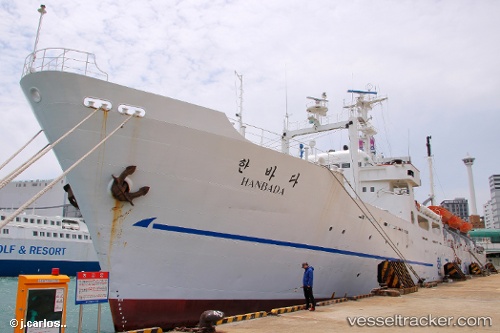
x=460, y=306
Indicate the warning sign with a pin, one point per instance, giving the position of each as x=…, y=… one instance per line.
x=92, y=287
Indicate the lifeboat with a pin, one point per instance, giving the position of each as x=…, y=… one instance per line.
x=466, y=227
x=455, y=222
x=443, y=212
x=447, y=217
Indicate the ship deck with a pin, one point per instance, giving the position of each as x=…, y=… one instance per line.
x=475, y=298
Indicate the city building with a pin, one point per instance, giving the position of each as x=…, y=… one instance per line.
x=457, y=206
x=488, y=215
x=495, y=201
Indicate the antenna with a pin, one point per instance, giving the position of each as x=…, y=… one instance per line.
x=42, y=11
x=286, y=100
x=240, y=112
x=409, y=156
x=431, y=175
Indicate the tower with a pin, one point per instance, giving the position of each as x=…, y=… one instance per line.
x=474, y=218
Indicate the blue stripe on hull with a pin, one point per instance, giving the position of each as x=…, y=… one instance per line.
x=146, y=222
x=17, y=267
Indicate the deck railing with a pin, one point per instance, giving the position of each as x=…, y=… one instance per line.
x=65, y=60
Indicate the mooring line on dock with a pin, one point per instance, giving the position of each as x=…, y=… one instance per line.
x=373, y=221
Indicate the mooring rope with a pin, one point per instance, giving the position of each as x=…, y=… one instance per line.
x=374, y=223
x=479, y=261
x=55, y=181
x=20, y=150
x=42, y=152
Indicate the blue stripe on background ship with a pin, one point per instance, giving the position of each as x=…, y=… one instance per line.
x=34, y=244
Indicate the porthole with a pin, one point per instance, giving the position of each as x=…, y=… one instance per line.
x=35, y=95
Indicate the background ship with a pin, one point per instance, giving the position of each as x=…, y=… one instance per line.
x=188, y=215
x=34, y=244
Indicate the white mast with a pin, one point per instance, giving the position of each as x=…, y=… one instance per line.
x=42, y=11
x=240, y=107
x=315, y=113
x=360, y=122
x=431, y=174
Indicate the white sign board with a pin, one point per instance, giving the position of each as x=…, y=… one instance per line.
x=92, y=287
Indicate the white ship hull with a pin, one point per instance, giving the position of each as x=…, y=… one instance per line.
x=214, y=232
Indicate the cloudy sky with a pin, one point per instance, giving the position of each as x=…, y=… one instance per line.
x=437, y=61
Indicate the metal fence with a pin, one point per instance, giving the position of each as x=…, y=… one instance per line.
x=65, y=60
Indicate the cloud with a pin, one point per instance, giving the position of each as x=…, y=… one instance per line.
x=436, y=60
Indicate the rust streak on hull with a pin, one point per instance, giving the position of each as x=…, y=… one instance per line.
x=116, y=224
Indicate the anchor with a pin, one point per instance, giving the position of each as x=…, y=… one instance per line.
x=71, y=196
x=121, y=190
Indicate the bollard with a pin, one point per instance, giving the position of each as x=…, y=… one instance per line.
x=208, y=320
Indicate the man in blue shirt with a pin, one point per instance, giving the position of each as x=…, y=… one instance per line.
x=307, y=284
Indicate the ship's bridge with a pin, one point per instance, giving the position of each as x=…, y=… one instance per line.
x=392, y=170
